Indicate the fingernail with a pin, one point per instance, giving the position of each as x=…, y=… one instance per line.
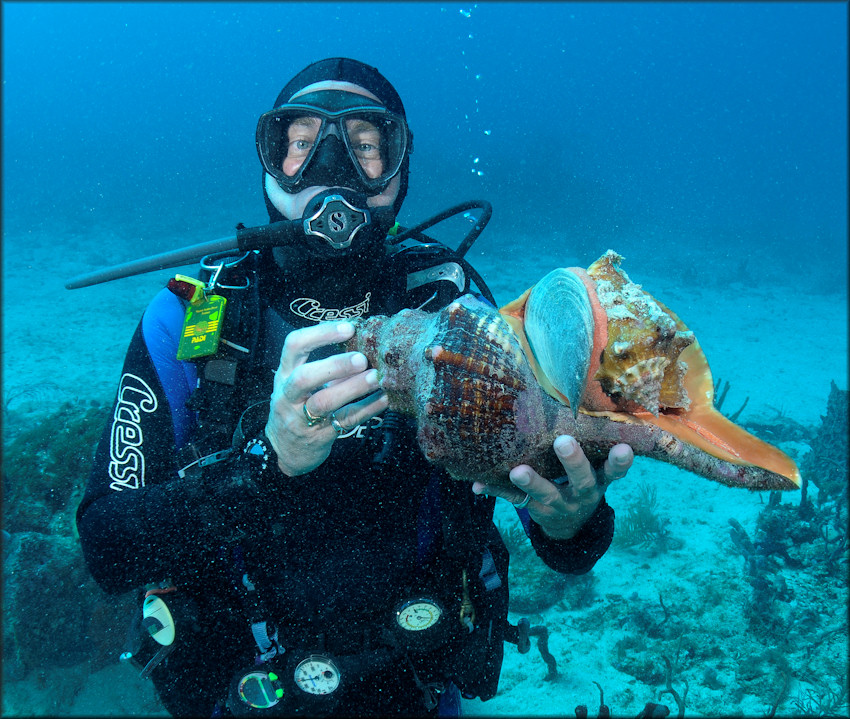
x=372, y=378
x=359, y=361
x=521, y=479
x=565, y=445
x=345, y=328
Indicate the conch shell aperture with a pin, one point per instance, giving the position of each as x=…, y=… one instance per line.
x=586, y=353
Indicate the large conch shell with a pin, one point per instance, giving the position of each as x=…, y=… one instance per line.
x=586, y=353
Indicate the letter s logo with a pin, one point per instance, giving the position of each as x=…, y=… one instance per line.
x=336, y=221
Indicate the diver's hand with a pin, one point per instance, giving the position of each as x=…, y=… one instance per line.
x=562, y=506
x=331, y=386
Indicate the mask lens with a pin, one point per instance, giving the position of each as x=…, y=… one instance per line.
x=285, y=143
x=376, y=142
x=288, y=138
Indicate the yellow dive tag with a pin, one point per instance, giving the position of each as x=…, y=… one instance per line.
x=201, y=328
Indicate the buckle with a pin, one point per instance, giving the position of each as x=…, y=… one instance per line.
x=205, y=461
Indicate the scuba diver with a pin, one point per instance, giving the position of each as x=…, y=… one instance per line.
x=293, y=550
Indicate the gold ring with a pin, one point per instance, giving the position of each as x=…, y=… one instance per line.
x=524, y=503
x=312, y=419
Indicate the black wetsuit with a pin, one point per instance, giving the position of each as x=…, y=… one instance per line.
x=331, y=554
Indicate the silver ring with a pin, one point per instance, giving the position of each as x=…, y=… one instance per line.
x=524, y=503
x=340, y=430
x=312, y=419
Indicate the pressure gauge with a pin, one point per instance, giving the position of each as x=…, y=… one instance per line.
x=317, y=675
x=417, y=615
x=259, y=689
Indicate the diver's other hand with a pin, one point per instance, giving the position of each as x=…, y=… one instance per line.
x=302, y=438
x=562, y=506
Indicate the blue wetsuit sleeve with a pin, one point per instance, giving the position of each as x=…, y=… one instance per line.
x=162, y=325
x=578, y=554
x=138, y=521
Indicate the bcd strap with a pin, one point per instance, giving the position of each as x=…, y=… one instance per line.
x=263, y=631
x=222, y=371
x=430, y=691
x=251, y=422
x=466, y=527
x=489, y=575
x=265, y=636
x=215, y=400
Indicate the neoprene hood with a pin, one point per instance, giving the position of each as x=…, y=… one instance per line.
x=341, y=69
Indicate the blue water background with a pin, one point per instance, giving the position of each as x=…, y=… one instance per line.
x=705, y=141
x=705, y=134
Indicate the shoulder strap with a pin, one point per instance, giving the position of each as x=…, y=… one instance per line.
x=436, y=274
x=216, y=398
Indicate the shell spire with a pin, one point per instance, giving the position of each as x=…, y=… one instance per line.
x=642, y=359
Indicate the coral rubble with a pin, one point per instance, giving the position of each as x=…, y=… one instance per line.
x=54, y=613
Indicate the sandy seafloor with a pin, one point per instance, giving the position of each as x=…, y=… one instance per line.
x=773, y=343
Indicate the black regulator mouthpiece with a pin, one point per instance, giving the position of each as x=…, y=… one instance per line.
x=336, y=223
x=336, y=217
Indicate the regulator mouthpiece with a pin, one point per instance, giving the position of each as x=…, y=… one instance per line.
x=336, y=217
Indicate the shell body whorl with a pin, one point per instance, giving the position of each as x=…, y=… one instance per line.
x=465, y=378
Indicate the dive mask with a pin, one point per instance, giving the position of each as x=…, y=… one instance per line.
x=337, y=137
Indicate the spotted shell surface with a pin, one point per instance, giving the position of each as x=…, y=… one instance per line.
x=477, y=385
x=641, y=361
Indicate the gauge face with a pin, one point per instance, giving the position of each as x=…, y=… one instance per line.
x=317, y=675
x=257, y=690
x=418, y=614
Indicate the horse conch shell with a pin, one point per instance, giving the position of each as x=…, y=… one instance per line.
x=586, y=353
